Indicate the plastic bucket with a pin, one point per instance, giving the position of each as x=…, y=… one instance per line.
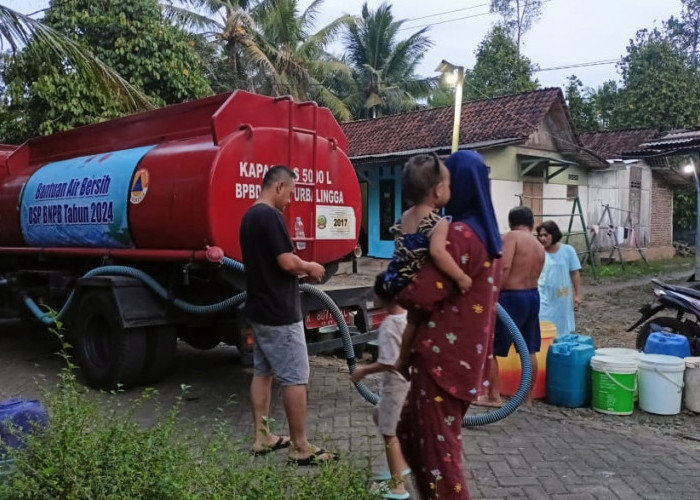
x=618, y=352
x=614, y=381
x=621, y=352
x=692, y=383
x=660, y=383
x=672, y=344
x=510, y=370
x=19, y=417
x=568, y=378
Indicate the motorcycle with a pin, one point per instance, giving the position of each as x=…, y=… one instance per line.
x=684, y=301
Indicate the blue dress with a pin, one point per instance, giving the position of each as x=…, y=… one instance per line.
x=557, y=290
x=410, y=253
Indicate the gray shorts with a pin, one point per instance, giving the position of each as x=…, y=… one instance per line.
x=388, y=410
x=281, y=351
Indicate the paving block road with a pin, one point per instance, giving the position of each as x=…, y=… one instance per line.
x=531, y=454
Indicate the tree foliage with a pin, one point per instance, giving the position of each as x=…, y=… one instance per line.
x=685, y=32
x=581, y=105
x=518, y=16
x=289, y=54
x=499, y=68
x=384, y=67
x=271, y=47
x=129, y=36
x=18, y=30
x=225, y=26
x=660, y=86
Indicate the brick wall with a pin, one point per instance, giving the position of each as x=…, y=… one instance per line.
x=661, y=213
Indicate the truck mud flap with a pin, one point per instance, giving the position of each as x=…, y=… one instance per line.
x=137, y=305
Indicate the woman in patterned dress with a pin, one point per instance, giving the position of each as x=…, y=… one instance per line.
x=450, y=354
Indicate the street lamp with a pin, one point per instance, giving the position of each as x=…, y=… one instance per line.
x=454, y=75
x=689, y=168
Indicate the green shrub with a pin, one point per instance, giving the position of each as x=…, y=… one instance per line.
x=95, y=450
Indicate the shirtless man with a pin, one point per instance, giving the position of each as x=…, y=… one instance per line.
x=522, y=263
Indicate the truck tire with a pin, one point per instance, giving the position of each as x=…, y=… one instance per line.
x=108, y=354
x=161, y=345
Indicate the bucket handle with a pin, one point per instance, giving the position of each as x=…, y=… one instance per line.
x=617, y=383
x=680, y=386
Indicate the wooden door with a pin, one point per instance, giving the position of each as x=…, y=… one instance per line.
x=532, y=198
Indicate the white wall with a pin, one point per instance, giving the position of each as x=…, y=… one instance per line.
x=611, y=187
x=503, y=194
x=504, y=198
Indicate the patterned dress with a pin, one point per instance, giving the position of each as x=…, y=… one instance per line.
x=451, y=356
x=410, y=253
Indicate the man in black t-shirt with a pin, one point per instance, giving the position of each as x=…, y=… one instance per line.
x=273, y=310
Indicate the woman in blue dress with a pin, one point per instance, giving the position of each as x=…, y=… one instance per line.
x=560, y=282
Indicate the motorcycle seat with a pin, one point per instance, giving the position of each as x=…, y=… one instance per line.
x=690, y=292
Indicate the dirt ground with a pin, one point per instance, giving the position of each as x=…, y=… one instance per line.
x=610, y=305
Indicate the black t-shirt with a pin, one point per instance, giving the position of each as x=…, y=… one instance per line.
x=273, y=294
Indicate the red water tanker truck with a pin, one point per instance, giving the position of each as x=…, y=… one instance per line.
x=117, y=225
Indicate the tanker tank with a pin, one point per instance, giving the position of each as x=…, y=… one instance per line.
x=178, y=179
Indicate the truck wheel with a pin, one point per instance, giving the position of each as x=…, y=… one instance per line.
x=161, y=345
x=665, y=323
x=107, y=354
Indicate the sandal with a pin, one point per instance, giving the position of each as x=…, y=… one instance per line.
x=385, y=475
x=384, y=490
x=281, y=443
x=318, y=457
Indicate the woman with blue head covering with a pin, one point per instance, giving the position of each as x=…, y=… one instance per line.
x=450, y=353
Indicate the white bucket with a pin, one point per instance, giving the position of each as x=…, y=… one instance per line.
x=692, y=383
x=660, y=383
x=623, y=353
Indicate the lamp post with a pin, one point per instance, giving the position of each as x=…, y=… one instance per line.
x=454, y=75
x=690, y=168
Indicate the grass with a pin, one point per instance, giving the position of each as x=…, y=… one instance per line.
x=614, y=272
x=95, y=450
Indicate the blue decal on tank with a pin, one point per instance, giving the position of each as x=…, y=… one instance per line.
x=81, y=202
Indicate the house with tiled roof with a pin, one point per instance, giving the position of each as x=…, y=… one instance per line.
x=527, y=140
x=637, y=193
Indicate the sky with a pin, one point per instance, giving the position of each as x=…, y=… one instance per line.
x=569, y=31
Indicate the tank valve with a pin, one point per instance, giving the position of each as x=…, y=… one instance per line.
x=215, y=254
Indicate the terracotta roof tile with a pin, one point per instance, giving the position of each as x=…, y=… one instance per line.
x=614, y=143
x=507, y=117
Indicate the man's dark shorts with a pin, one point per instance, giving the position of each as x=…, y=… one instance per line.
x=524, y=307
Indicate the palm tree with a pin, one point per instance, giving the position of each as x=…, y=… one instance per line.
x=384, y=67
x=228, y=24
x=270, y=46
x=290, y=58
x=18, y=30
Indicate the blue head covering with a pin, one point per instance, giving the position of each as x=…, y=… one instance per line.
x=470, y=198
